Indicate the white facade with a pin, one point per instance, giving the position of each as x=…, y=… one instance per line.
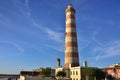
x=35, y=78
x=75, y=73
x=22, y=77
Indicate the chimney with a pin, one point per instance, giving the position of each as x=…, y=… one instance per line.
x=58, y=62
x=85, y=64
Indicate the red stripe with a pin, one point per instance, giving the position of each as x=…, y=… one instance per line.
x=70, y=34
x=69, y=16
x=71, y=44
x=70, y=25
x=71, y=54
x=72, y=65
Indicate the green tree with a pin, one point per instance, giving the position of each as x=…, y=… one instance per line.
x=61, y=74
x=46, y=72
x=93, y=74
x=99, y=74
x=110, y=77
x=87, y=73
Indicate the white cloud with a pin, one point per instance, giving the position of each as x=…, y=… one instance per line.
x=58, y=48
x=53, y=35
x=101, y=49
x=4, y=19
x=23, y=7
x=27, y=7
x=108, y=50
x=86, y=40
x=15, y=45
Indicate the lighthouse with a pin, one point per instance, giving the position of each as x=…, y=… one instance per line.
x=71, y=45
x=71, y=66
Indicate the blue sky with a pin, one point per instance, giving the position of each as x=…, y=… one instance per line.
x=32, y=33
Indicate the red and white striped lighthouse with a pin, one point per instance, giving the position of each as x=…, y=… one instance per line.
x=71, y=46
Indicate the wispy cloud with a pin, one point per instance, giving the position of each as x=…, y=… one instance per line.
x=19, y=5
x=100, y=49
x=109, y=50
x=58, y=48
x=93, y=38
x=4, y=19
x=86, y=40
x=27, y=7
x=22, y=7
x=15, y=45
x=52, y=34
x=49, y=33
x=96, y=20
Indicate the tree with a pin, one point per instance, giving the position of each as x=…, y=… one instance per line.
x=61, y=74
x=87, y=73
x=99, y=74
x=110, y=77
x=46, y=72
x=93, y=74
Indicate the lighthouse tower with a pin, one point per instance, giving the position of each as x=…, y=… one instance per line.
x=71, y=45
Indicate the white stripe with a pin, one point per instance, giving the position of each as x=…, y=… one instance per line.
x=70, y=12
x=70, y=20
x=71, y=29
x=70, y=39
x=71, y=49
x=71, y=60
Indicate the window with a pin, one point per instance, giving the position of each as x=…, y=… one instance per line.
x=76, y=78
x=76, y=72
x=71, y=72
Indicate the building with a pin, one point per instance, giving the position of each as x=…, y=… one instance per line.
x=72, y=68
x=113, y=70
x=52, y=71
x=37, y=74
x=29, y=75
